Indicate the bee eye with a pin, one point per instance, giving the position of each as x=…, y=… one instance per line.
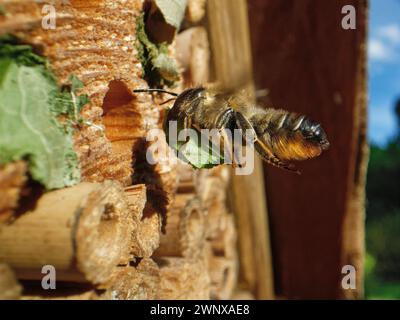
x=316, y=130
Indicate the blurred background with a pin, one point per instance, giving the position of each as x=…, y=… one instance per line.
x=345, y=209
x=382, y=277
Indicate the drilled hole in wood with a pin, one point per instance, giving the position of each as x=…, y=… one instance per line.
x=123, y=126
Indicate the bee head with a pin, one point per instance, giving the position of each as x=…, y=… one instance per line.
x=313, y=133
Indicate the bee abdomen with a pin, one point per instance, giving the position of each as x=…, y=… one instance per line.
x=285, y=121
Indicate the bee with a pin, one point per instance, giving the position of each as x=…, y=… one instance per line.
x=279, y=136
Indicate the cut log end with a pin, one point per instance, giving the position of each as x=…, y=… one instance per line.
x=183, y=279
x=83, y=231
x=10, y=289
x=12, y=181
x=103, y=236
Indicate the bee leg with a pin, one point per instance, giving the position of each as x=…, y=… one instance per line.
x=187, y=124
x=226, y=121
x=233, y=154
x=266, y=154
x=270, y=158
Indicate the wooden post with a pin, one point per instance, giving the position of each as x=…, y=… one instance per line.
x=230, y=42
x=311, y=65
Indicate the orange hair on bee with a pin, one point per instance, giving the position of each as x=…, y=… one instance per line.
x=294, y=147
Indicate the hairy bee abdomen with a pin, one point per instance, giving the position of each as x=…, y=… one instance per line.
x=291, y=136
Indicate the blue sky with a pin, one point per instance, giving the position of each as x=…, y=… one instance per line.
x=384, y=68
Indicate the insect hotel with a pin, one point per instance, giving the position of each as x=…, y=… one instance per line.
x=93, y=206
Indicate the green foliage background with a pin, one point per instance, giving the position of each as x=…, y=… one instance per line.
x=382, y=279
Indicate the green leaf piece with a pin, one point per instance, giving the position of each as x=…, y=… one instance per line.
x=76, y=83
x=192, y=151
x=159, y=68
x=172, y=10
x=198, y=156
x=167, y=67
x=30, y=105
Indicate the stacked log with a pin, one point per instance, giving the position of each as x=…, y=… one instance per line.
x=82, y=231
x=12, y=181
x=130, y=229
x=10, y=289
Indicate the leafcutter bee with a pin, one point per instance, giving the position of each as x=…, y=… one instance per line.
x=279, y=136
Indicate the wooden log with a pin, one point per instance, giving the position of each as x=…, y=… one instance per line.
x=193, y=54
x=223, y=277
x=229, y=38
x=12, y=181
x=157, y=170
x=150, y=273
x=187, y=178
x=222, y=260
x=126, y=287
x=213, y=196
x=185, y=230
x=136, y=197
x=353, y=242
x=10, y=289
x=130, y=283
x=242, y=295
x=127, y=283
x=84, y=295
x=147, y=222
x=63, y=291
x=224, y=244
x=183, y=279
x=83, y=231
x=146, y=239
x=196, y=10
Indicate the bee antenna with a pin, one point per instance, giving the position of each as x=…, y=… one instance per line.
x=157, y=90
x=166, y=101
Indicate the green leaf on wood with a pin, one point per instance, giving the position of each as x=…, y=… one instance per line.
x=30, y=105
x=159, y=68
x=172, y=10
